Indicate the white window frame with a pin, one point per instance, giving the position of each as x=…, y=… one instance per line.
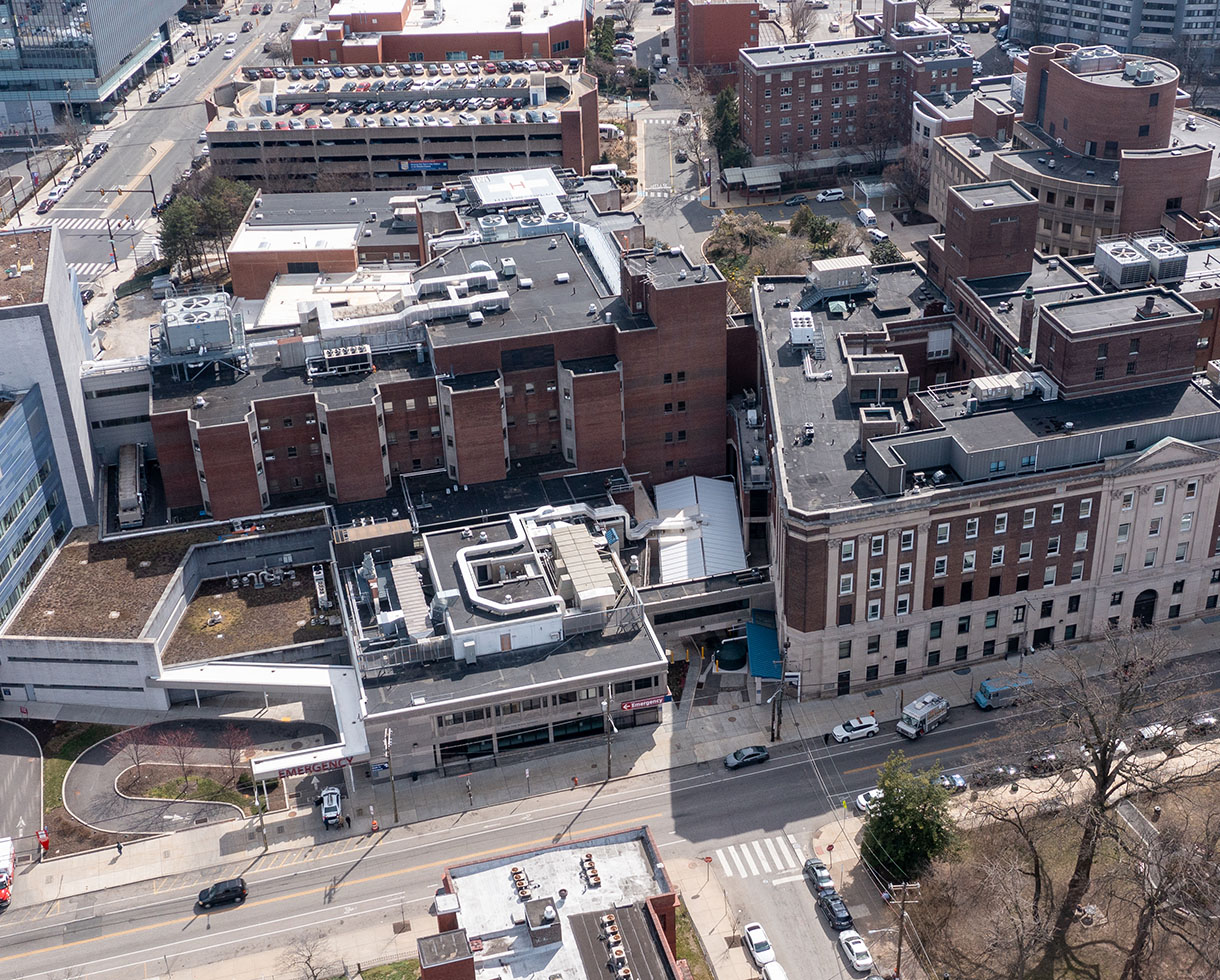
x=997, y=555
x=1150, y=557
x=1086, y=508
x=1120, y=563
x=874, y=578
x=876, y=547
x=847, y=584
x=1183, y=550
x=1192, y=489
x=1030, y=516
x=904, y=573
x=1124, y=532
x=1186, y=521
x=1082, y=541
x=1056, y=513
x=1158, y=495
x=1154, y=528
x=1001, y=523
x=1128, y=500
x=942, y=533
x=907, y=541
x=972, y=527
x=847, y=550
x=874, y=610
x=1026, y=551
x=902, y=606
x=1077, y=571
x=1048, y=576
x=1052, y=546
x=968, y=564
x=940, y=566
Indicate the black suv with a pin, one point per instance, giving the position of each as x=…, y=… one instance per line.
x=835, y=910
x=223, y=892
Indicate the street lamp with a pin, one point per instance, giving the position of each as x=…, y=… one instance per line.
x=777, y=703
x=389, y=743
x=70, y=116
x=608, y=724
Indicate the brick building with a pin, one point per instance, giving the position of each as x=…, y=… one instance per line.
x=1027, y=469
x=845, y=102
x=1106, y=143
x=369, y=31
x=710, y=33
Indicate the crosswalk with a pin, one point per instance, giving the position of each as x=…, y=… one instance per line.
x=766, y=856
x=147, y=248
x=660, y=191
x=93, y=224
x=90, y=271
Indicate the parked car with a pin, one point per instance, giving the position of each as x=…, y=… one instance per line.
x=866, y=801
x=863, y=727
x=229, y=54
x=193, y=58
x=1159, y=734
x=223, y=893
x=331, y=802
x=994, y=776
x=819, y=875
x=1203, y=723
x=834, y=909
x=795, y=200
x=877, y=235
x=830, y=194
x=85, y=296
x=754, y=939
x=751, y=755
x=855, y=950
x=955, y=783
x=45, y=205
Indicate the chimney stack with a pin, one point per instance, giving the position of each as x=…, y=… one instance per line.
x=1027, y=319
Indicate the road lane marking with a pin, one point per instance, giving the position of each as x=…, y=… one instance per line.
x=331, y=888
x=779, y=863
x=762, y=858
x=787, y=880
x=796, y=849
x=741, y=868
x=783, y=847
x=728, y=872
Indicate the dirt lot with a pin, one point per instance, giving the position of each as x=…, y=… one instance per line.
x=109, y=589
x=249, y=619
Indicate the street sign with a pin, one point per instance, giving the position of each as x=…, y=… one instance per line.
x=379, y=766
x=652, y=702
x=44, y=839
x=25, y=712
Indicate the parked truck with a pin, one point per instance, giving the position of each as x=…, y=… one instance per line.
x=997, y=692
x=922, y=715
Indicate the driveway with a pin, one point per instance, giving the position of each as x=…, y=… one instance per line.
x=20, y=781
x=91, y=797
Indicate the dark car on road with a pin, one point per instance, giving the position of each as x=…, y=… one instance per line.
x=751, y=755
x=45, y=206
x=228, y=892
x=833, y=907
x=796, y=199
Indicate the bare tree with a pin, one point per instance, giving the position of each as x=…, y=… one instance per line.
x=799, y=19
x=233, y=743
x=74, y=133
x=309, y=956
x=131, y=744
x=1192, y=56
x=910, y=176
x=1014, y=928
x=179, y=744
x=924, y=5
x=281, y=50
x=885, y=127
x=961, y=6
x=630, y=12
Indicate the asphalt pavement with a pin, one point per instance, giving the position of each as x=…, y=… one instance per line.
x=20, y=781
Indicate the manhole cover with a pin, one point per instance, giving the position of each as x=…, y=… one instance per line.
x=201, y=820
x=732, y=717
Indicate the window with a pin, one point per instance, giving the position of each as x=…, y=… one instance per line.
x=1150, y=557
x=907, y=540
x=963, y=624
x=1086, y=508
x=938, y=596
x=1047, y=608
x=1154, y=527
x=900, y=668
x=960, y=653
x=1128, y=499
x=1082, y=541
x=933, y=658
x=989, y=648
x=1116, y=598
x=940, y=566
x=1018, y=614
x=845, y=649
x=934, y=630
x=1120, y=564
x=1048, y=576
x=846, y=584
x=990, y=619
x=1180, y=552
x=1143, y=131
x=874, y=578
x=1192, y=489
x=847, y=550
x=1103, y=351
x=1077, y=571
x=1052, y=546
x=968, y=561
x=1124, y=532
x=1028, y=461
x=1056, y=513
x=903, y=605
x=972, y=527
x=904, y=574
x=942, y=533
x=877, y=545
x=1185, y=521
x=870, y=672
x=1073, y=603
x=902, y=638
x=1158, y=495
x=1001, y=523
x=1179, y=586
x=997, y=555
x=1069, y=632
x=1026, y=551
x=874, y=610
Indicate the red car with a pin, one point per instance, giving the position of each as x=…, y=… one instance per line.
x=45, y=206
x=489, y=67
x=299, y=108
x=254, y=9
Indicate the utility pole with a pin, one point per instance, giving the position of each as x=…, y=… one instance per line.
x=260, y=805
x=114, y=254
x=389, y=758
x=777, y=705
x=902, y=917
x=608, y=724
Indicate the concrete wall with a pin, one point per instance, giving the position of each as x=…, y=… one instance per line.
x=76, y=670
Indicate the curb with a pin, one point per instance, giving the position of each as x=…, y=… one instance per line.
x=161, y=799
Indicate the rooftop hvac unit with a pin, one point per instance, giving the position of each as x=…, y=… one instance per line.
x=1121, y=264
x=1167, y=259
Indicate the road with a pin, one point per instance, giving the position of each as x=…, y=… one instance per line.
x=149, y=150
x=20, y=781
x=756, y=825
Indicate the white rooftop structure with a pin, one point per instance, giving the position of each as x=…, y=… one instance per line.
x=482, y=16
x=511, y=187
x=253, y=238
x=700, y=530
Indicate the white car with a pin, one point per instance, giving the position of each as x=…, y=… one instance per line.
x=229, y=53
x=174, y=78
x=854, y=949
x=863, y=727
x=830, y=194
x=866, y=801
x=754, y=938
x=231, y=39
x=1159, y=733
x=193, y=59
x=332, y=806
x=773, y=971
x=877, y=235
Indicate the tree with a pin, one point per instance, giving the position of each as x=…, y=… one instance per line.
x=799, y=19
x=179, y=745
x=74, y=133
x=779, y=257
x=817, y=229
x=1015, y=930
x=309, y=956
x=910, y=824
x=961, y=6
x=224, y=203
x=885, y=253
x=130, y=743
x=1098, y=703
x=910, y=175
x=885, y=126
x=281, y=50
x=602, y=37
x=924, y=5
x=179, y=231
x=1192, y=55
x=630, y=12
x=233, y=743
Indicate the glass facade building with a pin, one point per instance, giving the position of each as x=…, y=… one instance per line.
x=33, y=511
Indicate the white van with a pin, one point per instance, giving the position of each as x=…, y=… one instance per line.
x=866, y=217
x=604, y=170
x=609, y=131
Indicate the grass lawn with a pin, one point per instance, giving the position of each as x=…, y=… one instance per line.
x=689, y=948
x=211, y=784
x=400, y=970
x=60, y=751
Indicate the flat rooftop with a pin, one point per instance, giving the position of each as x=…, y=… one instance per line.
x=795, y=54
x=109, y=589
x=960, y=103
x=824, y=473
x=490, y=907
x=480, y=16
x=962, y=143
x=671, y=269
x=255, y=237
x=1000, y=193
x=1105, y=311
x=221, y=620
x=24, y=250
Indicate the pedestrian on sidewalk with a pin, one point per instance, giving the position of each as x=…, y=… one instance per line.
x=575, y=782
x=119, y=846
x=349, y=821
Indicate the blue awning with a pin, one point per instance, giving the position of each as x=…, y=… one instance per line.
x=764, y=651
